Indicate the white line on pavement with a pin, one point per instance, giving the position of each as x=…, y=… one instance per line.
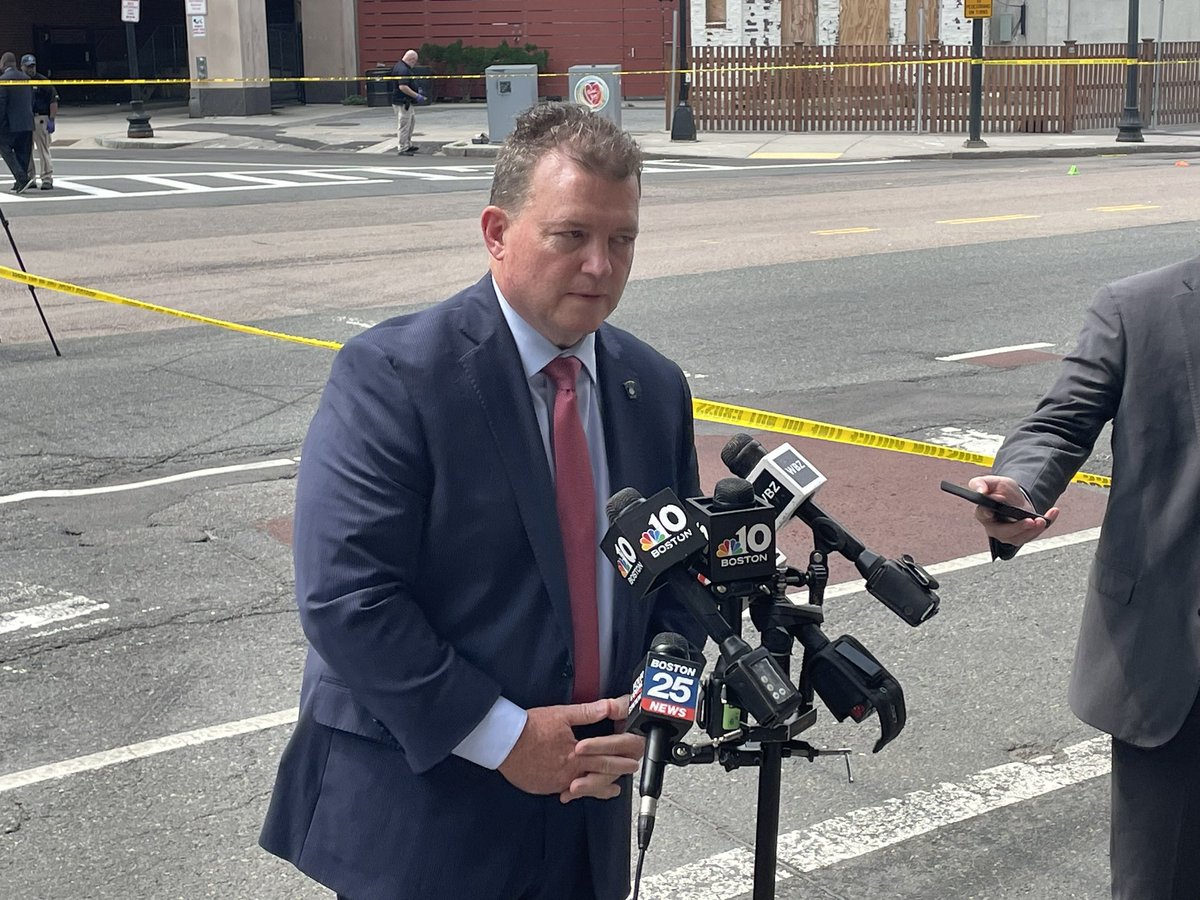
x=106, y=758
x=974, y=353
x=864, y=831
x=70, y=606
x=153, y=482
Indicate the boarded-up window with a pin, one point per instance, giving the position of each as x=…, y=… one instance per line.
x=714, y=13
x=863, y=23
x=798, y=22
x=930, y=8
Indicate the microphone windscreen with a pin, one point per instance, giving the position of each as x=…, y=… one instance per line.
x=733, y=493
x=621, y=501
x=741, y=454
x=671, y=643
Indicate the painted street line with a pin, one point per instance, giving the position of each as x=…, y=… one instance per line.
x=65, y=606
x=105, y=758
x=863, y=831
x=153, y=482
x=972, y=354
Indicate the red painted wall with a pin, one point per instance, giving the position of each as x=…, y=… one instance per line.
x=629, y=33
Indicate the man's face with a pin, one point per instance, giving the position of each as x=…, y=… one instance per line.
x=562, y=261
x=29, y=68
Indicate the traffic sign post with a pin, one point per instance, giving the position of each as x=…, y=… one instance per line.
x=977, y=11
x=139, y=122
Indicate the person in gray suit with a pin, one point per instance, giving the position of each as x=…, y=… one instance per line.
x=1137, y=662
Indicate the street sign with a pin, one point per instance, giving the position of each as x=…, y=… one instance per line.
x=977, y=9
x=131, y=10
x=196, y=7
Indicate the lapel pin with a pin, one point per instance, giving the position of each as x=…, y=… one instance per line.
x=631, y=390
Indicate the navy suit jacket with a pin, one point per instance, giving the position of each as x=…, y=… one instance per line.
x=16, y=104
x=430, y=579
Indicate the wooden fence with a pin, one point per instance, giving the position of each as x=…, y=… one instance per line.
x=903, y=87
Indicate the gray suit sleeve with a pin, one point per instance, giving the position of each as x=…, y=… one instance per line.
x=1051, y=444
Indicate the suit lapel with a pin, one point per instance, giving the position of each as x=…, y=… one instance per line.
x=624, y=434
x=1187, y=310
x=493, y=367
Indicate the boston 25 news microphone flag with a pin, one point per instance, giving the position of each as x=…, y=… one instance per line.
x=662, y=707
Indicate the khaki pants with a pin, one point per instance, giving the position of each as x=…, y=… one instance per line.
x=40, y=163
x=406, y=117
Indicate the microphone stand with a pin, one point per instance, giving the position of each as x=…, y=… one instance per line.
x=32, y=292
x=778, y=620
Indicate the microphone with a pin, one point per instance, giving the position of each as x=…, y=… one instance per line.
x=787, y=481
x=662, y=707
x=652, y=543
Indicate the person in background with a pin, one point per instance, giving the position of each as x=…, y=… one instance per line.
x=16, y=122
x=1137, y=661
x=45, y=109
x=470, y=649
x=404, y=98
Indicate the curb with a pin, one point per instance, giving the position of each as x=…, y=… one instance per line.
x=1060, y=152
x=115, y=142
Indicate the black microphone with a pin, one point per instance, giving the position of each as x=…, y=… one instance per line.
x=787, y=481
x=652, y=542
x=662, y=707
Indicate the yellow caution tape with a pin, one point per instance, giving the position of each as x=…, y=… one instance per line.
x=693, y=71
x=66, y=287
x=704, y=410
x=762, y=420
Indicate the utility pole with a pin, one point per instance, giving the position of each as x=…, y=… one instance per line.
x=1129, y=129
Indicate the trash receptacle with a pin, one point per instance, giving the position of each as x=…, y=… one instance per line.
x=598, y=88
x=424, y=83
x=510, y=91
x=379, y=86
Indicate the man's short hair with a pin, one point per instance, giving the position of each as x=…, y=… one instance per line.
x=7, y=60
x=594, y=143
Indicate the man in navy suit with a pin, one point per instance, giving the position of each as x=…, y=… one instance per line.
x=459, y=733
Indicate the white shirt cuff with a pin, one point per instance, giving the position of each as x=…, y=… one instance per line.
x=490, y=742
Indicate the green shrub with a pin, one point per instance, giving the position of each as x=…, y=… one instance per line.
x=457, y=59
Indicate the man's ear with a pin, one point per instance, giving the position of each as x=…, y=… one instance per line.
x=494, y=222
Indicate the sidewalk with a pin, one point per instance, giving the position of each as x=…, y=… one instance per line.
x=447, y=129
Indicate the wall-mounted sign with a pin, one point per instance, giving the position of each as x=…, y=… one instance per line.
x=199, y=26
x=131, y=10
x=196, y=7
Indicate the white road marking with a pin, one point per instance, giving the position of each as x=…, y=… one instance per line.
x=153, y=482
x=974, y=353
x=65, y=606
x=968, y=439
x=105, y=758
x=866, y=830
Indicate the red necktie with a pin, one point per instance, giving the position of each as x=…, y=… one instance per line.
x=576, y=501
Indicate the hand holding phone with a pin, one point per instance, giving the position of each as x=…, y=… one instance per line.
x=1003, y=510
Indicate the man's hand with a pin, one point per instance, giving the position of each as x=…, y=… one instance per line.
x=420, y=99
x=547, y=758
x=1008, y=491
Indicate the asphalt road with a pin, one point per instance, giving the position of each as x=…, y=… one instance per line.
x=148, y=619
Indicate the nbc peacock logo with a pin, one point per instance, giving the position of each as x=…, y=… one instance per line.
x=623, y=568
x=730, y=547
x=652, y=537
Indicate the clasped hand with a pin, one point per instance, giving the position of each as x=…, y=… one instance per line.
x=549, y=759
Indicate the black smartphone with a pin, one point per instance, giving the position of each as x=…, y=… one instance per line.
x=1000, y=509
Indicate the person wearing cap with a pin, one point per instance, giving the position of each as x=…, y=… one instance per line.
x=16, y=122
x=45, y=108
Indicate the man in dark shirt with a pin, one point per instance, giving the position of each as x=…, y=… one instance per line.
x=16, y=122
x=404, y=98
x=45, y=108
